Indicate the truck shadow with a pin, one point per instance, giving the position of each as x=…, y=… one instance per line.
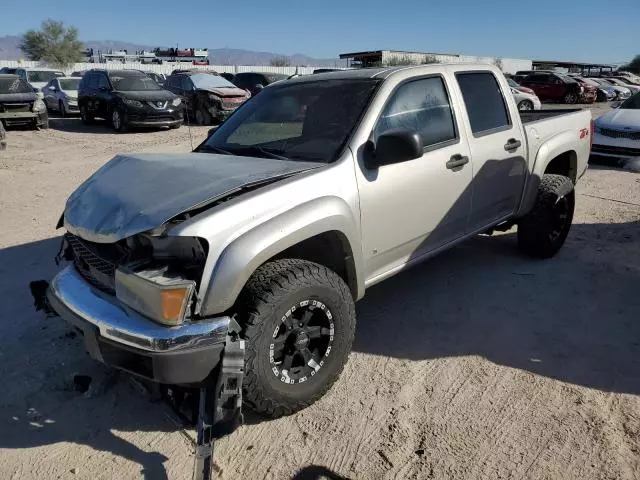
x=573, y=318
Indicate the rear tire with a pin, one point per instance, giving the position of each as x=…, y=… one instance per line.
x=299, y=321
x=542, y=232
x=202, y=117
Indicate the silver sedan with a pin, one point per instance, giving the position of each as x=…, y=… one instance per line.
x=61, y=94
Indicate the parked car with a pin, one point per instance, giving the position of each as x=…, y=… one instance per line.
x=207, y=97
x=127, y=98
x=522, y=74
x=36, y=77
x=61, y=94
x=19, y=104
x=254, y=82
x=621, y=83
x=513, y=84
x=526, y=101
x=227, y=76
x=589, y=92
x=78, y=73
x=621, y=93
x=282, y=218
x=628, y=77
x=617, y=133
x=554, y=86
x=603, y=93
x=193, y=70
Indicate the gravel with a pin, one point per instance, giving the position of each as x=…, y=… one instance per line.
x=477, y=364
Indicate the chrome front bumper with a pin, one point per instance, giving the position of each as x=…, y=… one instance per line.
x=121, y=337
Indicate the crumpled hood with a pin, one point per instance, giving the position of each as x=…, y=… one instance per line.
x=620, y=117
x=17, y=97
x=226, y=92
x=135, y=193
x=148, y=95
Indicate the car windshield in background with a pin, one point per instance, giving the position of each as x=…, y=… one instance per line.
x=274, y=77
x=69, y=84
x=566, y=78
x=14, y=85
x=206, y=80
x=632, y=103
x=42, y=76
x=512, y=83
x=300, y=121
x=132, y=82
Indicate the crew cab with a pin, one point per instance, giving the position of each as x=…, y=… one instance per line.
x=309, y=194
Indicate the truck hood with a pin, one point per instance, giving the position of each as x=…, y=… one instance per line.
x=135, y=193
x=620, y=117
x=17, y=97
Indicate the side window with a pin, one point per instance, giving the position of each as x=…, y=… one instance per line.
x=421, y=106
x=168, y=83
x=102, y=81
x=484, y=101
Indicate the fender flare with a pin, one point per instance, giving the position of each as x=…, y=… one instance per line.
x=550, y=149
x=241, y=257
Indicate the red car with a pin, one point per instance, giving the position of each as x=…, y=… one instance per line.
x=554, y=86
x=513, y=84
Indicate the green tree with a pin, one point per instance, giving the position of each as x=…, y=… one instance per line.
x=279, y=62
x=53, y=43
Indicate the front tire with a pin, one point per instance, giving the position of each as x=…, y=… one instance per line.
x=525, y=105
x=202, y=117
x=86, y=117
x=299, y=321
x=542, y=232
x=117, y=120
x=570, y=98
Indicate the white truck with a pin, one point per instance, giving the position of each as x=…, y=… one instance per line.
x=307, y=195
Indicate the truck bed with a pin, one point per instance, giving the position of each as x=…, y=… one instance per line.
x=537, y=115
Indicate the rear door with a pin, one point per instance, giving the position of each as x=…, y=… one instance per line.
x=498, y=149
x=50, y=98
x=557, y=87
x=539, y=83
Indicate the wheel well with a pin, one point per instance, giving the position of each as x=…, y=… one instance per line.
x=330, y=249
x=564, y=164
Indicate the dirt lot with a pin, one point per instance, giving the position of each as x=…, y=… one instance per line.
x=478, y=364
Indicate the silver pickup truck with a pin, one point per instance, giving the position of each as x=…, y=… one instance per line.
x=310, y=193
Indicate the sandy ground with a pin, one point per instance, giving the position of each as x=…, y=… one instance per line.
x=478, y=364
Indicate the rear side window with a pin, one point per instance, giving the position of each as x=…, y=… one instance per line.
x=102, y=81
x=421, y=106
x=484, y=101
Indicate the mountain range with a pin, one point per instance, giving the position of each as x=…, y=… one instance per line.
x=10, y=50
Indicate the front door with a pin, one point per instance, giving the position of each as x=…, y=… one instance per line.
x=411, y=208
x=498, y=145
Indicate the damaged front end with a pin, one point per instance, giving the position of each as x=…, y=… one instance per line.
x=133, y=300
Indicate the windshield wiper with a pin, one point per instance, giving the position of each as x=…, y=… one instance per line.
x=260, y=150
x=209, y=148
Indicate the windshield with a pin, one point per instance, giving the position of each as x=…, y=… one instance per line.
x=206, y=80
x=132, y=82
x=69, y=83
x=42, y=76
x=512, y=83
x=302, y=121
x=14, y=85
x=566, y=78
x=632, y=103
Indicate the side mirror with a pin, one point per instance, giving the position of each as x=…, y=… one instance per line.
x=52, y=88
x=616, y=104
x=258, y=86
x=393, y=146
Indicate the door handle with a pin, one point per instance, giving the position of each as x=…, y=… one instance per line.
x=457, y=161
x=512, y=144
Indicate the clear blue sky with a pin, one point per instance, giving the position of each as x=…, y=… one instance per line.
x=580, y=30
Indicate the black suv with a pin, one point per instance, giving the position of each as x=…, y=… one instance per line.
x=127, y=98
x=256, y=81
